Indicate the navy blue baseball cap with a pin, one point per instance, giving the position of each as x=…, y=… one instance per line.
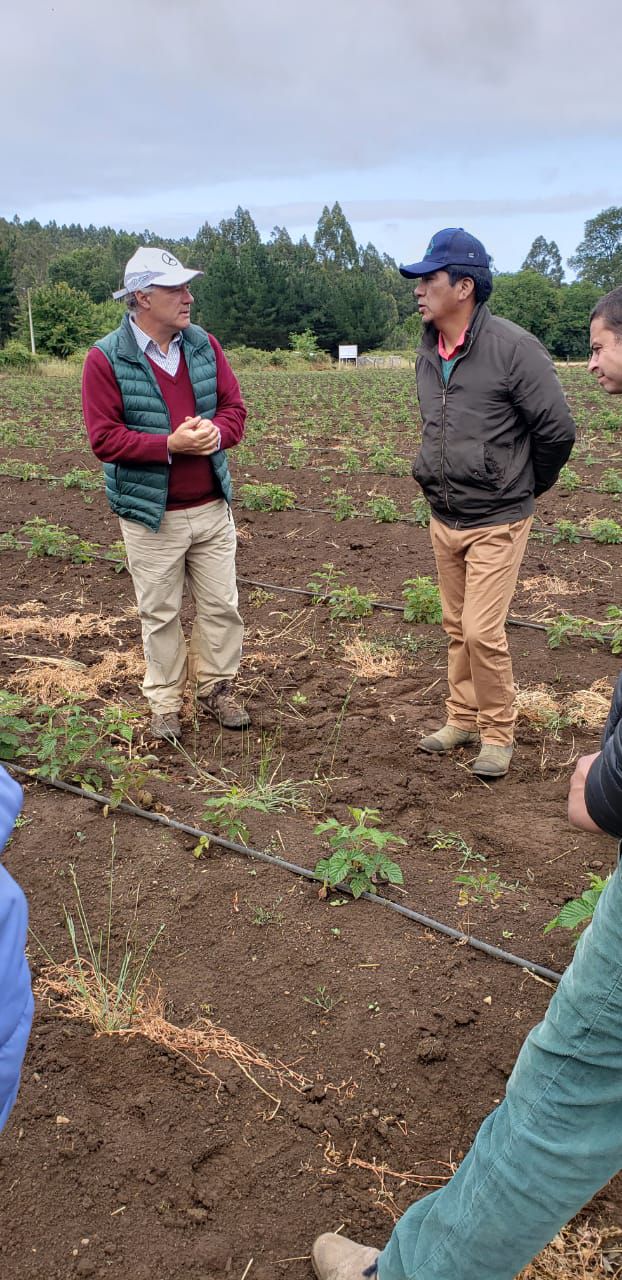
x=451, y=247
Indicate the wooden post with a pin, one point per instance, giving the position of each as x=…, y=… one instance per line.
x=32, y=332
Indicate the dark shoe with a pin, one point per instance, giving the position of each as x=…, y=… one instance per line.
x=221, y=704
x=447, y=738
x=334, y=1257
x=492, y=761
x=166, y=727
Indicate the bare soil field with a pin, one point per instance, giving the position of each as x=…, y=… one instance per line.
x=298, y=1062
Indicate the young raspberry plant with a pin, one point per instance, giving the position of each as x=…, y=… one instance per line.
x=358, y=857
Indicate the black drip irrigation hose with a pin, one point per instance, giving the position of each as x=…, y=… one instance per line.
x=549, y=975
x=376, y=604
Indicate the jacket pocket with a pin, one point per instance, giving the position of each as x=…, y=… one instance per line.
x=476, y=465
x=426, y=468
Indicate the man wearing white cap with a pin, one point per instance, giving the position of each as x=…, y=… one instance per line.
x=162, y=405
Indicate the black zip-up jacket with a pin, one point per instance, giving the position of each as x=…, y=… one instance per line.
x=499, y=433
x=603, y=787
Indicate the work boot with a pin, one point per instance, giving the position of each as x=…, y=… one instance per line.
x=447, y=738
x=334, y=1257
x=166, y=726
x=221, y=704
x=493, y=761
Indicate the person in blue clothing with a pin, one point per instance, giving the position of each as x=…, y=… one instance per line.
x=556, y=1138
x=16, y=1002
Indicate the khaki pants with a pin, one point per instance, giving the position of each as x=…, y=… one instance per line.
x=197, y=546
x=477, y=572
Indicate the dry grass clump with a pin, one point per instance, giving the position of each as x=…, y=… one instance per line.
x=19, y=621
x=53, y=680
x=370, y=662
x=579, y=1252
x=537, y=705
x=586, y=707
x=254, y=659
x=75, y=989
x=590, y=707
x=545, y=585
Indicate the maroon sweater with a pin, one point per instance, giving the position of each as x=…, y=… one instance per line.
x=191, y=479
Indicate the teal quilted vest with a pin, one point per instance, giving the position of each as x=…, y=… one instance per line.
x=139, y=492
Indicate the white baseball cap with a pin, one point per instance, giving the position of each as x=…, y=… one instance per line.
x=153, y=266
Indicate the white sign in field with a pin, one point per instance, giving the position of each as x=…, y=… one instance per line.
x=348, y=352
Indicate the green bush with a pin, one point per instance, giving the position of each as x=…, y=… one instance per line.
x=14, y=355
x=305, y=344
x=63, y=319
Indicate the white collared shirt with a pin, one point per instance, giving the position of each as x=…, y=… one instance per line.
x=169, y=360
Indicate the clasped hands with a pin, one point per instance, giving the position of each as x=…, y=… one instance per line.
x=194, y=435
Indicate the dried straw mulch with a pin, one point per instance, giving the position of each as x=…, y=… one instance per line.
x=586, y=707
x=544, y=586
x=32, y=619
x=53, y=680
x=369, y=662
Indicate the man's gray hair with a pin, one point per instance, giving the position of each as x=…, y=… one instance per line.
x=131, y=301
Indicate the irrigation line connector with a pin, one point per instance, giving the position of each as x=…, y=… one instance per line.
x=427, y=922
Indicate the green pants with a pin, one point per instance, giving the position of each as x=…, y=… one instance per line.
x=550, y=1146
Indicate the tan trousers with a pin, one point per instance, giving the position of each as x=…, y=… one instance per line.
x=197, y=546
x=477, y=573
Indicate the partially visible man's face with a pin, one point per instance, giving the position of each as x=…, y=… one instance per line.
x=438, y=299
x=606, y=358
x=169, y=308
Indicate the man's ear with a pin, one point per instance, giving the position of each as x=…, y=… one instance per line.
x=466, y=288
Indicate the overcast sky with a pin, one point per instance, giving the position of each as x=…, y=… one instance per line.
x=502, y=117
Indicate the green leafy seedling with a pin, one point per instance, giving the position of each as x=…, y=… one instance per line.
x=358, y=857
x=422, y=601
x=575, y=914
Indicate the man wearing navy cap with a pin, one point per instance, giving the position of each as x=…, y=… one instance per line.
x=496, y=432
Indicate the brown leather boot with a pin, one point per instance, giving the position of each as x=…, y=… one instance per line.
x=166, y=726
x=222, y=705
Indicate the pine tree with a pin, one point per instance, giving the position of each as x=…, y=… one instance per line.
x=334, y=241
x=545, y=258
x=8, y=296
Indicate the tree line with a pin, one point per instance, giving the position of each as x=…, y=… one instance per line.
x=263, y=293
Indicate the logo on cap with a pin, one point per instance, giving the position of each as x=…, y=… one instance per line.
x=169, y=260
x=138, y=280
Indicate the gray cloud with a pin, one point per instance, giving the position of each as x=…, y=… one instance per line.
x=303, y=212
x=141, y=97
